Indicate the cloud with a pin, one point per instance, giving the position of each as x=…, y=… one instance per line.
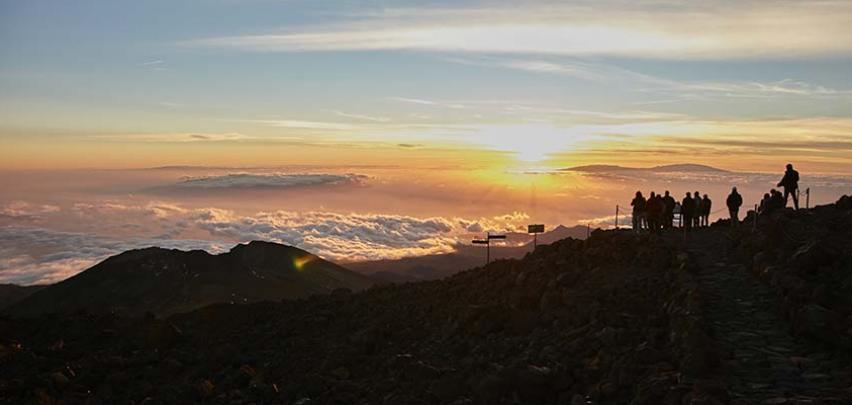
x=361, y=117
x=614, y=75
x=246, y=180
x=39, y=256
x=170, y=137
x=348, y=237
x=715, y=30
x=25, y=211
x=299, y=124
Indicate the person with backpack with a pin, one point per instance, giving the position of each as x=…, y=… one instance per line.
x=638, y=204
x=734, y=202
x=654, y=212
x=668, y=211
x=687, y=210
x=790, y=182
x=706, y=204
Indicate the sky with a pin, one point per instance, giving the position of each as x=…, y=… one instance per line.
x=460, y=112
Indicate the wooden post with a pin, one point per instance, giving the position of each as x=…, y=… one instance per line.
x=808, y=198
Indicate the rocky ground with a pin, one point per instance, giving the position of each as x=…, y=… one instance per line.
x=722, y=316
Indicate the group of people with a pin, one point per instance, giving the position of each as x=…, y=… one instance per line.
x=659, y=211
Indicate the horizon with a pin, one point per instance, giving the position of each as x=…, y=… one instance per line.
x=363, y=130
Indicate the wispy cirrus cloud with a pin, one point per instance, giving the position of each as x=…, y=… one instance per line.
x=777, y=29
x=615, y=75
x=170, y=137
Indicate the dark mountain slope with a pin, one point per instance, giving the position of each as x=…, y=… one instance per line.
x=616, y=319
x=11, y=293
x=165, y=281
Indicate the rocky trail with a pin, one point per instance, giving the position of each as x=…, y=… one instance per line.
x=762, y=362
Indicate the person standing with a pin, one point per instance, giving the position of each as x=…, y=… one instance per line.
x=706, y=206
x=790, y=182
x=735, y=201
x=698, y=209
x=654, y=212
x=668, y=210
x=638, y=204
x=687, y=209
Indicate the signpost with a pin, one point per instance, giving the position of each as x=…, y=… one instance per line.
x=487, y=243
x=535, y=229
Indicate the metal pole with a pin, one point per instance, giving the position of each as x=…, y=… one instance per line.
x=616, y=217
x=488, y=248
x=588, y=230
x=535, y=241
x=808, y=197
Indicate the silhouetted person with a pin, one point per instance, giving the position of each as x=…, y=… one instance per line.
x=687, y=210
x=668, y=210
x=776, y=201
x=696, y=216
x=638, y=204
x=765, y=206
x=790, y=182
x=735, y=201
x=706, y=205
x=654, y=212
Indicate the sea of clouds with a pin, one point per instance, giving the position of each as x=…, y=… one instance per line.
x=32, y=253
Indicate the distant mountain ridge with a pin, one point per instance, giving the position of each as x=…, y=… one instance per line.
x=432, y=267
x=681, y=167
x=167, y=281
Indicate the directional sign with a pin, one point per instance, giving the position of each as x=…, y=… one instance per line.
x=479, y=242
x=496, y=236
x=535, y=228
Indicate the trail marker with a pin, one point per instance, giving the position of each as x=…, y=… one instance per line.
x=535, y=229
x=487, y=242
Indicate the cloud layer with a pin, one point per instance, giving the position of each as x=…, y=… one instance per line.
x=243, y=180
x=39, y=256
x=31, y=255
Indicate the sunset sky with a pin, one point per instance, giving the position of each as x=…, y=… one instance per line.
x=457, y=111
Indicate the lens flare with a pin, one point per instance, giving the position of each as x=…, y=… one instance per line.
x=300, y=262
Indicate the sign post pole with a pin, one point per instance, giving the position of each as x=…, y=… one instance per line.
x=487, y=243
x=535, y=229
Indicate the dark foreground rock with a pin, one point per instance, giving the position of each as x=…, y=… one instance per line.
x=616, y=319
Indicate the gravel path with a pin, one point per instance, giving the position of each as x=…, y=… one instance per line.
x=763, y=362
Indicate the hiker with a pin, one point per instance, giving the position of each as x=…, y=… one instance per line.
x=735, y=201
x=776, y=201
x=790, y=182
x=765, y=206
x=668, y=210
x=638, y=204
x=654, y=212
x=687, y=209
x=696, y=214
x=706, y=204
